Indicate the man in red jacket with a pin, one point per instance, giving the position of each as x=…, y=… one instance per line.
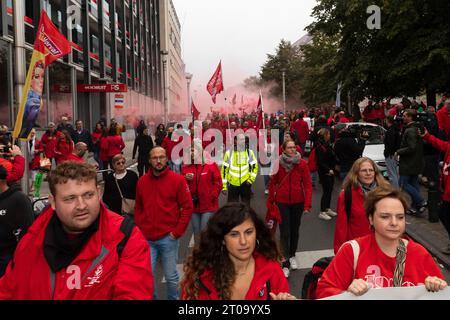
x=163, y=210
x=77, y=249
x=301, y=128
x=443, y=116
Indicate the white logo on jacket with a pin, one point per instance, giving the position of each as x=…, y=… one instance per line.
x=96, y=278
x=2, y=213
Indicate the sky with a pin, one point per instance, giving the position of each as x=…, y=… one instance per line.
x=240, y=33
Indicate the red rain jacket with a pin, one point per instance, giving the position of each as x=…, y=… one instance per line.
x=103, y=276
x=115, y=145
x=296, y=188
x=207, y=184
x=357, y=226
x=49, y=143
x=444, y=147
x=163, y=205
x=265, y=271
x=301, y=127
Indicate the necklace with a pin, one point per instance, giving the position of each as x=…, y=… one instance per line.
x=246, y=269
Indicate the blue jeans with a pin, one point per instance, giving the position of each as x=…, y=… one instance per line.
x=314, y=178
x=199, y=221
x=392, y=171
x=410, y=184
x=168, y=249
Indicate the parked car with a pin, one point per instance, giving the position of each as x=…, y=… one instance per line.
x=374, y=145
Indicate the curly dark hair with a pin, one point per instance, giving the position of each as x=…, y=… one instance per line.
x=211, y=254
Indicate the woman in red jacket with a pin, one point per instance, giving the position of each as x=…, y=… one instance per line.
x=49, y=140
x=115, y=143
x=363, y=177
x=384, y=258
x=237, y=259
x=444, y=213
x=291, y=189
x=64, y=147
x=205, y=184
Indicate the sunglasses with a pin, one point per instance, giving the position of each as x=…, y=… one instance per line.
x=120, y=162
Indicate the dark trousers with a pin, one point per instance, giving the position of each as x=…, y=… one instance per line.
x=327, y=187
x=243, y=191
x=444, y=215
x=291, y=216
x=143, y=165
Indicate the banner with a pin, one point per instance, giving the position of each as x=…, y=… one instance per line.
x=50, y=45
x=215, y=85
x=398, y=293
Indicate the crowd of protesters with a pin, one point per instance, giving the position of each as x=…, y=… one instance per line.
x=237, y=255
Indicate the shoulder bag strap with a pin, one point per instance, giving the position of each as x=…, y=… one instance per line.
x=355, y=247
x=117, y=183
x=400, y=258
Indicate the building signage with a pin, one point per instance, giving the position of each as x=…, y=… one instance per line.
x=118, y=87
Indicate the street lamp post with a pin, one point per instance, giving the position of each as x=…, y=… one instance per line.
x=164, y=55
x=284, y=91
x=188, y=81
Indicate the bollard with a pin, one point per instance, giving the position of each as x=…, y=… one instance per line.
x=434, y=198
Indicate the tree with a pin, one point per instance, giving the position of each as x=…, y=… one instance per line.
x=287, y=58
x=410, y=54
x=318, y=68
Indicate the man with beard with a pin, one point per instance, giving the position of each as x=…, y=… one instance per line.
x=163, y=210
x=77, y=249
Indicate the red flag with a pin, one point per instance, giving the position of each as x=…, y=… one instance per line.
x=50, y=45
x=194, y=111
x=215, y=85
x=259, y=111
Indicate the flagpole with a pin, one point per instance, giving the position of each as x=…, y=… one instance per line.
x=226, y=107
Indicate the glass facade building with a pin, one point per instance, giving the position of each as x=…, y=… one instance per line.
x=113, y=41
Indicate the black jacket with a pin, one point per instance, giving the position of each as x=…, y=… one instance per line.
x=144, y=144
x=348, y=149
x=16, y=215
x=326, y=159
x=83, y=136
x=111, y=194
x=159, y=137
x=392, y=140
x=411, y=151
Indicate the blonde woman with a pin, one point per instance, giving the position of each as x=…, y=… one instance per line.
x=362, y=178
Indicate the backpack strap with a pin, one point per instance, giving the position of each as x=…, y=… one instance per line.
x=355, y=247
x=126, y=227
x=268, y=290
x=348, y=201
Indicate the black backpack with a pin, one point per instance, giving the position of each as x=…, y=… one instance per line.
x=313, y=276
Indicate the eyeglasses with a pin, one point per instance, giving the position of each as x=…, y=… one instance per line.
x=120, y=162
x=367, y=171
x=162, y=158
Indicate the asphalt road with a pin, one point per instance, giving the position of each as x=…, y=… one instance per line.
x=316, y=239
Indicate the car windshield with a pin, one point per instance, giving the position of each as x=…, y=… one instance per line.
x=376, y=134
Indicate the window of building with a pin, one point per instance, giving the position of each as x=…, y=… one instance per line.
x=9, y=17
x=60, y=97
x=77, y=39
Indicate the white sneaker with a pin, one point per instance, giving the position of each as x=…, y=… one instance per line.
x=331, y=213
x=293, y=262
x=286, y=272
x=266, y=191
x=324, y=216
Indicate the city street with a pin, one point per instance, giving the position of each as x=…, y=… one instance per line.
x=316, y=239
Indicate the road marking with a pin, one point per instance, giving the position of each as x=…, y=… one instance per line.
x=306, y=259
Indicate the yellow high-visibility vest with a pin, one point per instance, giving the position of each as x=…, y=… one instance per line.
x=238, y=167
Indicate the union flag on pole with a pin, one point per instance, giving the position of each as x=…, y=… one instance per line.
x=194, y=111
x=50, y=45
x=215, y=85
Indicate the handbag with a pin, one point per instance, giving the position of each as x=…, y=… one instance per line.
x=273, y=215
x=127, y=204
x=312, y=161
x=45, y=164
